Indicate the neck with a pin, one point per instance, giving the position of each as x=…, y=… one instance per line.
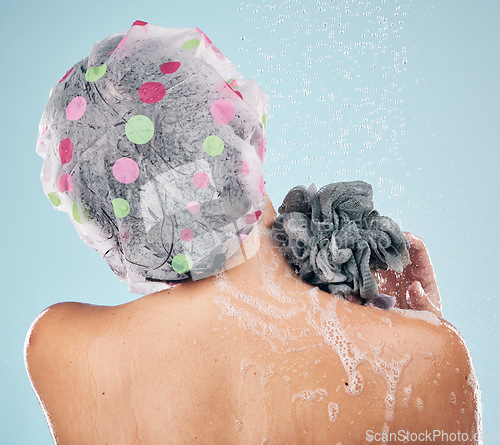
x=257, y=250
x=257, y=253
x=251, y=244
x=263, y=265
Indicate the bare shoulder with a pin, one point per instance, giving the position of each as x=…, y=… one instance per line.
x=56, y=326
x=57, y=361
x=83, y=359
x=446, y=393
x=55, y=339
x=45, y=332
x=428, y=368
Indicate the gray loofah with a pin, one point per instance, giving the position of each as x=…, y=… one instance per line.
x=334, y=237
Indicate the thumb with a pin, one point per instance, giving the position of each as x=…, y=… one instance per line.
x=418, y=300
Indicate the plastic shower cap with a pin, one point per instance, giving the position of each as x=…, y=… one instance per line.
x=334, y=237
x=154, y=145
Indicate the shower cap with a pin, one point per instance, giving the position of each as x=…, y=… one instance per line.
x=333, y=237
x=154, y=144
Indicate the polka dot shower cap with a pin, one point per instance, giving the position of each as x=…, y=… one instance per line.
x=154, y=145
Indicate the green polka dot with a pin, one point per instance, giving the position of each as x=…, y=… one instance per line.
x=182, y=263
x=264, y=120
x=121, y=207
x=96, y=72
x=139, y=129
x=54, y=199
x=213, y=145
x=76, y=214
x=191, y=44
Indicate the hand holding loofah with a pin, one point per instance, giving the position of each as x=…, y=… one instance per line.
x=334, y=237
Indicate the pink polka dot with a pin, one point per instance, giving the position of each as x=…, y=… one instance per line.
x=125, y=170
x=222, y=111
x=245, y=169
x=218, y=52
x=262, y=148
x=261, y=185
x=139, y=23
x=122, y=42
x=76, y=108
x=243, y=235
x=65, y=150
x=187, y=234
x=207, y=40
x=193, y=207
x=170, y=67
x=66, y=75
x=201, y=180
x=151, y=92
x=252, y=217
x=44, y=130
x=208, y=43
x=235, y=92
x=64, y=183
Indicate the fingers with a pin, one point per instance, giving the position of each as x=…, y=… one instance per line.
x=416, y=288
x=418, y=300
x=391, y=283
x=416, y=243
x=432, y=293
x=421, y=269
x=419, y=257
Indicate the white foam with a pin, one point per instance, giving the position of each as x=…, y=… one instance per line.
x=392, y=372
x=270, y=285
x=427, y=316
x=385, y=434
x=376, y=349
x=333, y=411
x=453, y=398
x=309, y=395
x=420, y=404
x=267, y=374
x=265, y=330
x=244, y=367
x=223, y=283
x=312, y=295
x=350, y=356
x=407, y=394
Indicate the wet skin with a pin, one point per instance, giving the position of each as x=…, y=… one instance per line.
x=250, y=355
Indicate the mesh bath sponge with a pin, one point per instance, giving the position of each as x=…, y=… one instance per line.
x=334, y=238
x=153, y=144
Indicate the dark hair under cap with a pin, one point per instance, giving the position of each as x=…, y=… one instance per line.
x=154, y=144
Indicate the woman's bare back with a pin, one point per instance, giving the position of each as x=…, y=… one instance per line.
x=248, y=357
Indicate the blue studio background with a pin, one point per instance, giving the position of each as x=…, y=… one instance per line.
x=401, y=94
